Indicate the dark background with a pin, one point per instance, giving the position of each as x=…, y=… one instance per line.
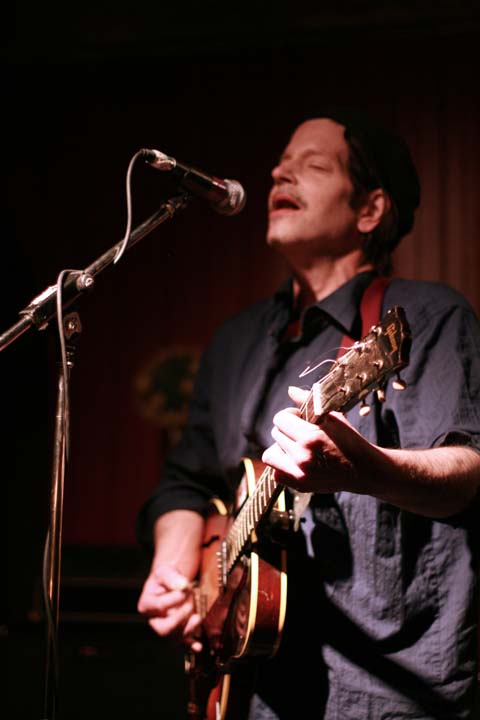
x=217, y=85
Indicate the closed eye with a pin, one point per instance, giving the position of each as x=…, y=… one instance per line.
x=316, y=166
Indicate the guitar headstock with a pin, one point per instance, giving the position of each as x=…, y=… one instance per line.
x=366, y=367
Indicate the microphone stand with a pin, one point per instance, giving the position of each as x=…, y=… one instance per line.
x=42, y=308
x=38, y=314
x=53, y=548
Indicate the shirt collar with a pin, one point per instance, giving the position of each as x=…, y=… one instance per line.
x=341, y=306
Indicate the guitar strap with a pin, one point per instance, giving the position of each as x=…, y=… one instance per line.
x=370, y=310
x=370, y=313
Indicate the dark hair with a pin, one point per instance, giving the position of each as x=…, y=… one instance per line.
x=377, y=245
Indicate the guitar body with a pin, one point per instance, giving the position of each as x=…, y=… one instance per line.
x=243, y=611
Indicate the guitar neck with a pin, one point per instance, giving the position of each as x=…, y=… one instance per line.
x=253, y=510
x=258, y=504
x=364, y=368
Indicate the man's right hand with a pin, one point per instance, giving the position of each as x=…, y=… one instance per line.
x=167, y=598
x=167, y=602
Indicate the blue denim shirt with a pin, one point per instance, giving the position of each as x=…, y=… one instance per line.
x=384, y=598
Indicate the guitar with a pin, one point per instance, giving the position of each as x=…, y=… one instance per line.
x=241, y=593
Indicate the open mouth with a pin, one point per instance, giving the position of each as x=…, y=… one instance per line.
x=283, y=201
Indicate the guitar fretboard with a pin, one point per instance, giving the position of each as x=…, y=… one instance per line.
x=255, y=507
x=266, y=492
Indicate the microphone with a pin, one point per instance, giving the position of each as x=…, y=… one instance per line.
x=226, y=196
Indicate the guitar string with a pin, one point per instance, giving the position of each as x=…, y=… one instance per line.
x=256, y=504
x=250, y=513
x=242, y=527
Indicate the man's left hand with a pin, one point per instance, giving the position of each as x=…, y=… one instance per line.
x=313, y=458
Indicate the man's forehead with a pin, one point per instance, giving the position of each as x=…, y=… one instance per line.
x=320, y=136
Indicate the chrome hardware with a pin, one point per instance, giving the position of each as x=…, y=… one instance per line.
x=84, y=281
x=364, y=409
x=398, y=383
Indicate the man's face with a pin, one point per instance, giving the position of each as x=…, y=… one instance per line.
x=309, y=201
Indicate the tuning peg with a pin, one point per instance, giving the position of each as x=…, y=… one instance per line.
x=380, y=395
x=364, y=409
x=398, y=383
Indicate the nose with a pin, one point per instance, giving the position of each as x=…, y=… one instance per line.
x=283, y=172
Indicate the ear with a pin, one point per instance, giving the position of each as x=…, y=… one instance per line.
x=376, y=205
